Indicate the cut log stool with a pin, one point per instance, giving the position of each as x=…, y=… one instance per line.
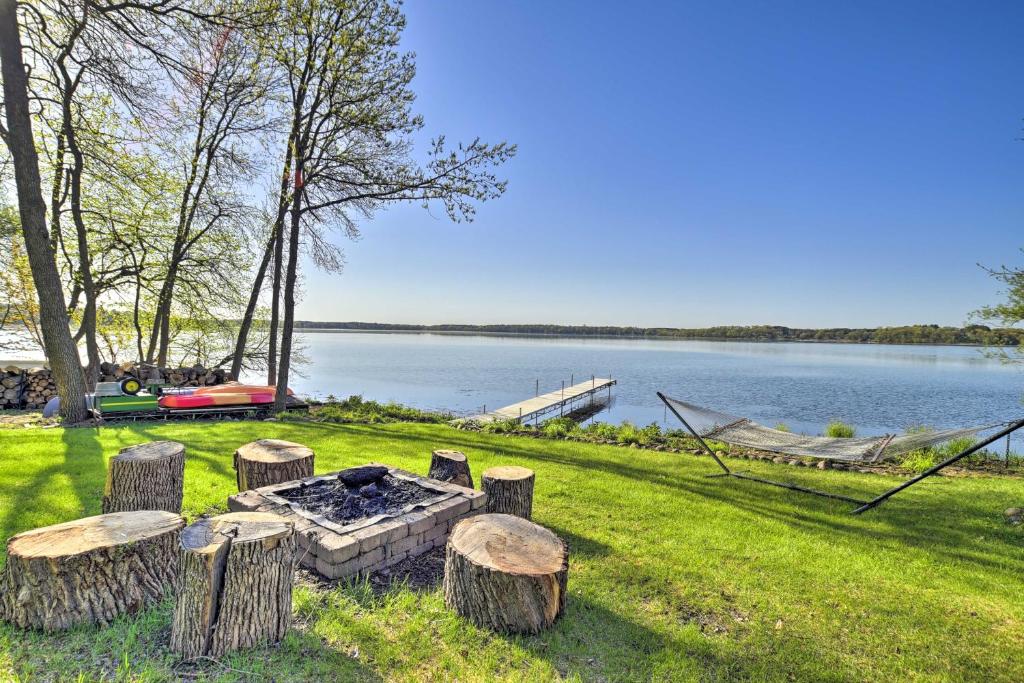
x=149, y=476
x=89, y=570
x=271, y=461
x=452, y=467
x=505, y=573
x=509, y=490
x=235, y=584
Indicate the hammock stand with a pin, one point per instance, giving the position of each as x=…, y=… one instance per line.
x=863, y=505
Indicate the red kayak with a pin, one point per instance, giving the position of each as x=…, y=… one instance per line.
x=222, y=395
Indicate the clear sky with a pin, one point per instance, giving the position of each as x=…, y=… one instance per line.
x=698, y=163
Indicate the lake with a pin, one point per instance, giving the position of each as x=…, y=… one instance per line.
x=874, y=387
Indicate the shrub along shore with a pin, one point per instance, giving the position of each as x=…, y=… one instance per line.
x=355, y=410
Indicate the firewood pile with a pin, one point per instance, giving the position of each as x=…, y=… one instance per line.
x=30, y=389
x=194, y=376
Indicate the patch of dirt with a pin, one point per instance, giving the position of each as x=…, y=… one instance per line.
x=421, y=573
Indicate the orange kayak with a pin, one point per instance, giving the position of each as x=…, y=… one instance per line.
x=230, y=394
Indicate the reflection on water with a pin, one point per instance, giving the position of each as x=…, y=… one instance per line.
x=877, y=388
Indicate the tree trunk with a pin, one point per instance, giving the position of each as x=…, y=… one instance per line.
x=450, y=466
x=60, y=348
x=235, y=584
x=271, y=461
x=275, y=306
x=149, y=476
x=509, y=490
x=276, y=238
x=505, y=573
x=90, y=570
x=281, y=397
x=245, y=325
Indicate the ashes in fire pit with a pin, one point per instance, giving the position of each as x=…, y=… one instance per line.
x=339, y=502
x=363, y=519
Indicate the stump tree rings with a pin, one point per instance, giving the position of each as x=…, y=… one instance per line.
x=452, y=467
x=90, y=570
x=509, y=490
x=235, y=584
x=271, y=461
x=505, y=573
x=149, y=476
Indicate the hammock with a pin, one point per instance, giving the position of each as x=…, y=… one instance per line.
x=739, y=431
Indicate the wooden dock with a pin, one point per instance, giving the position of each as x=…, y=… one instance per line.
x=563, y=401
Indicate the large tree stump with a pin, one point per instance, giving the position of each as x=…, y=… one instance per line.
x=89, y=570
x=271, y=461
x=149, y=476
x=450, y=466
x=235, y=584
x=505, y=573
x=509, y=490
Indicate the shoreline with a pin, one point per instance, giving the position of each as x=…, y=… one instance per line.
x=636, y=337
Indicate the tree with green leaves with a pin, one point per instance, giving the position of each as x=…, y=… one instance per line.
x=349, y=146
x=1009, y=313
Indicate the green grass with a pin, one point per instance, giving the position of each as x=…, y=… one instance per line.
x=673, y=576
x=839, y=430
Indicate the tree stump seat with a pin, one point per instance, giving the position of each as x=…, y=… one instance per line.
x=509, y=490
x=149, y=476
x=451, y=467
x=89, y=570
x=271, y=461
x=505, y=573
x=234, y=584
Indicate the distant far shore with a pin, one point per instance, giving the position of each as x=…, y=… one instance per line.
x=934, y=335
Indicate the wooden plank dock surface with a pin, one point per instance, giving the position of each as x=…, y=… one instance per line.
x=563, y=399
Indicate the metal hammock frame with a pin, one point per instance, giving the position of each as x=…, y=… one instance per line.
x=862, y=505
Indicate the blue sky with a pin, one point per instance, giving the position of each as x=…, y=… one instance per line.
x=689, y=164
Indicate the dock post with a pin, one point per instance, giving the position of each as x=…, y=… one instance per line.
x=536, y=391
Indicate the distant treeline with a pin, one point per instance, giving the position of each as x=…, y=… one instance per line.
x=907, y=334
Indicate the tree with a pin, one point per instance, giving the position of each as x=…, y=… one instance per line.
x=220, y=110
x=1010, y=312
x=53, y=317
x=350, y=139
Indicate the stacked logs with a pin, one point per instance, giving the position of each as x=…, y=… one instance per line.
x=194, y=376
x=30, y=389
x=12, y=380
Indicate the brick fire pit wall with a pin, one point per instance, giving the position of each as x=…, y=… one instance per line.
x=364, y=546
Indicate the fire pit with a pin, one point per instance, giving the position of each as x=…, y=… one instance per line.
x=362, y=519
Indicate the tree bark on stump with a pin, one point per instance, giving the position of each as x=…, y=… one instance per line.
x=505, y=573
x=271, y=461
x=509, y=490
x=235, y=584
x=452, y=467
x=89, y=570
x=149, y=476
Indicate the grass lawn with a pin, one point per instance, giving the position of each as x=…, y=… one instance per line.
x=673, y=576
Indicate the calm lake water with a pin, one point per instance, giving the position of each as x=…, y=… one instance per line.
x=876, y=388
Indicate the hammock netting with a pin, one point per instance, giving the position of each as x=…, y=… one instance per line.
x=739, y=431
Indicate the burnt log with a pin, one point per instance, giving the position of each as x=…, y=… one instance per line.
x=149, y=476
x=452, y=467
x=509, y=490
x=505, y=573
x=271, y=461
x=235, y=584
x=357, y=477
x=89, y=570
